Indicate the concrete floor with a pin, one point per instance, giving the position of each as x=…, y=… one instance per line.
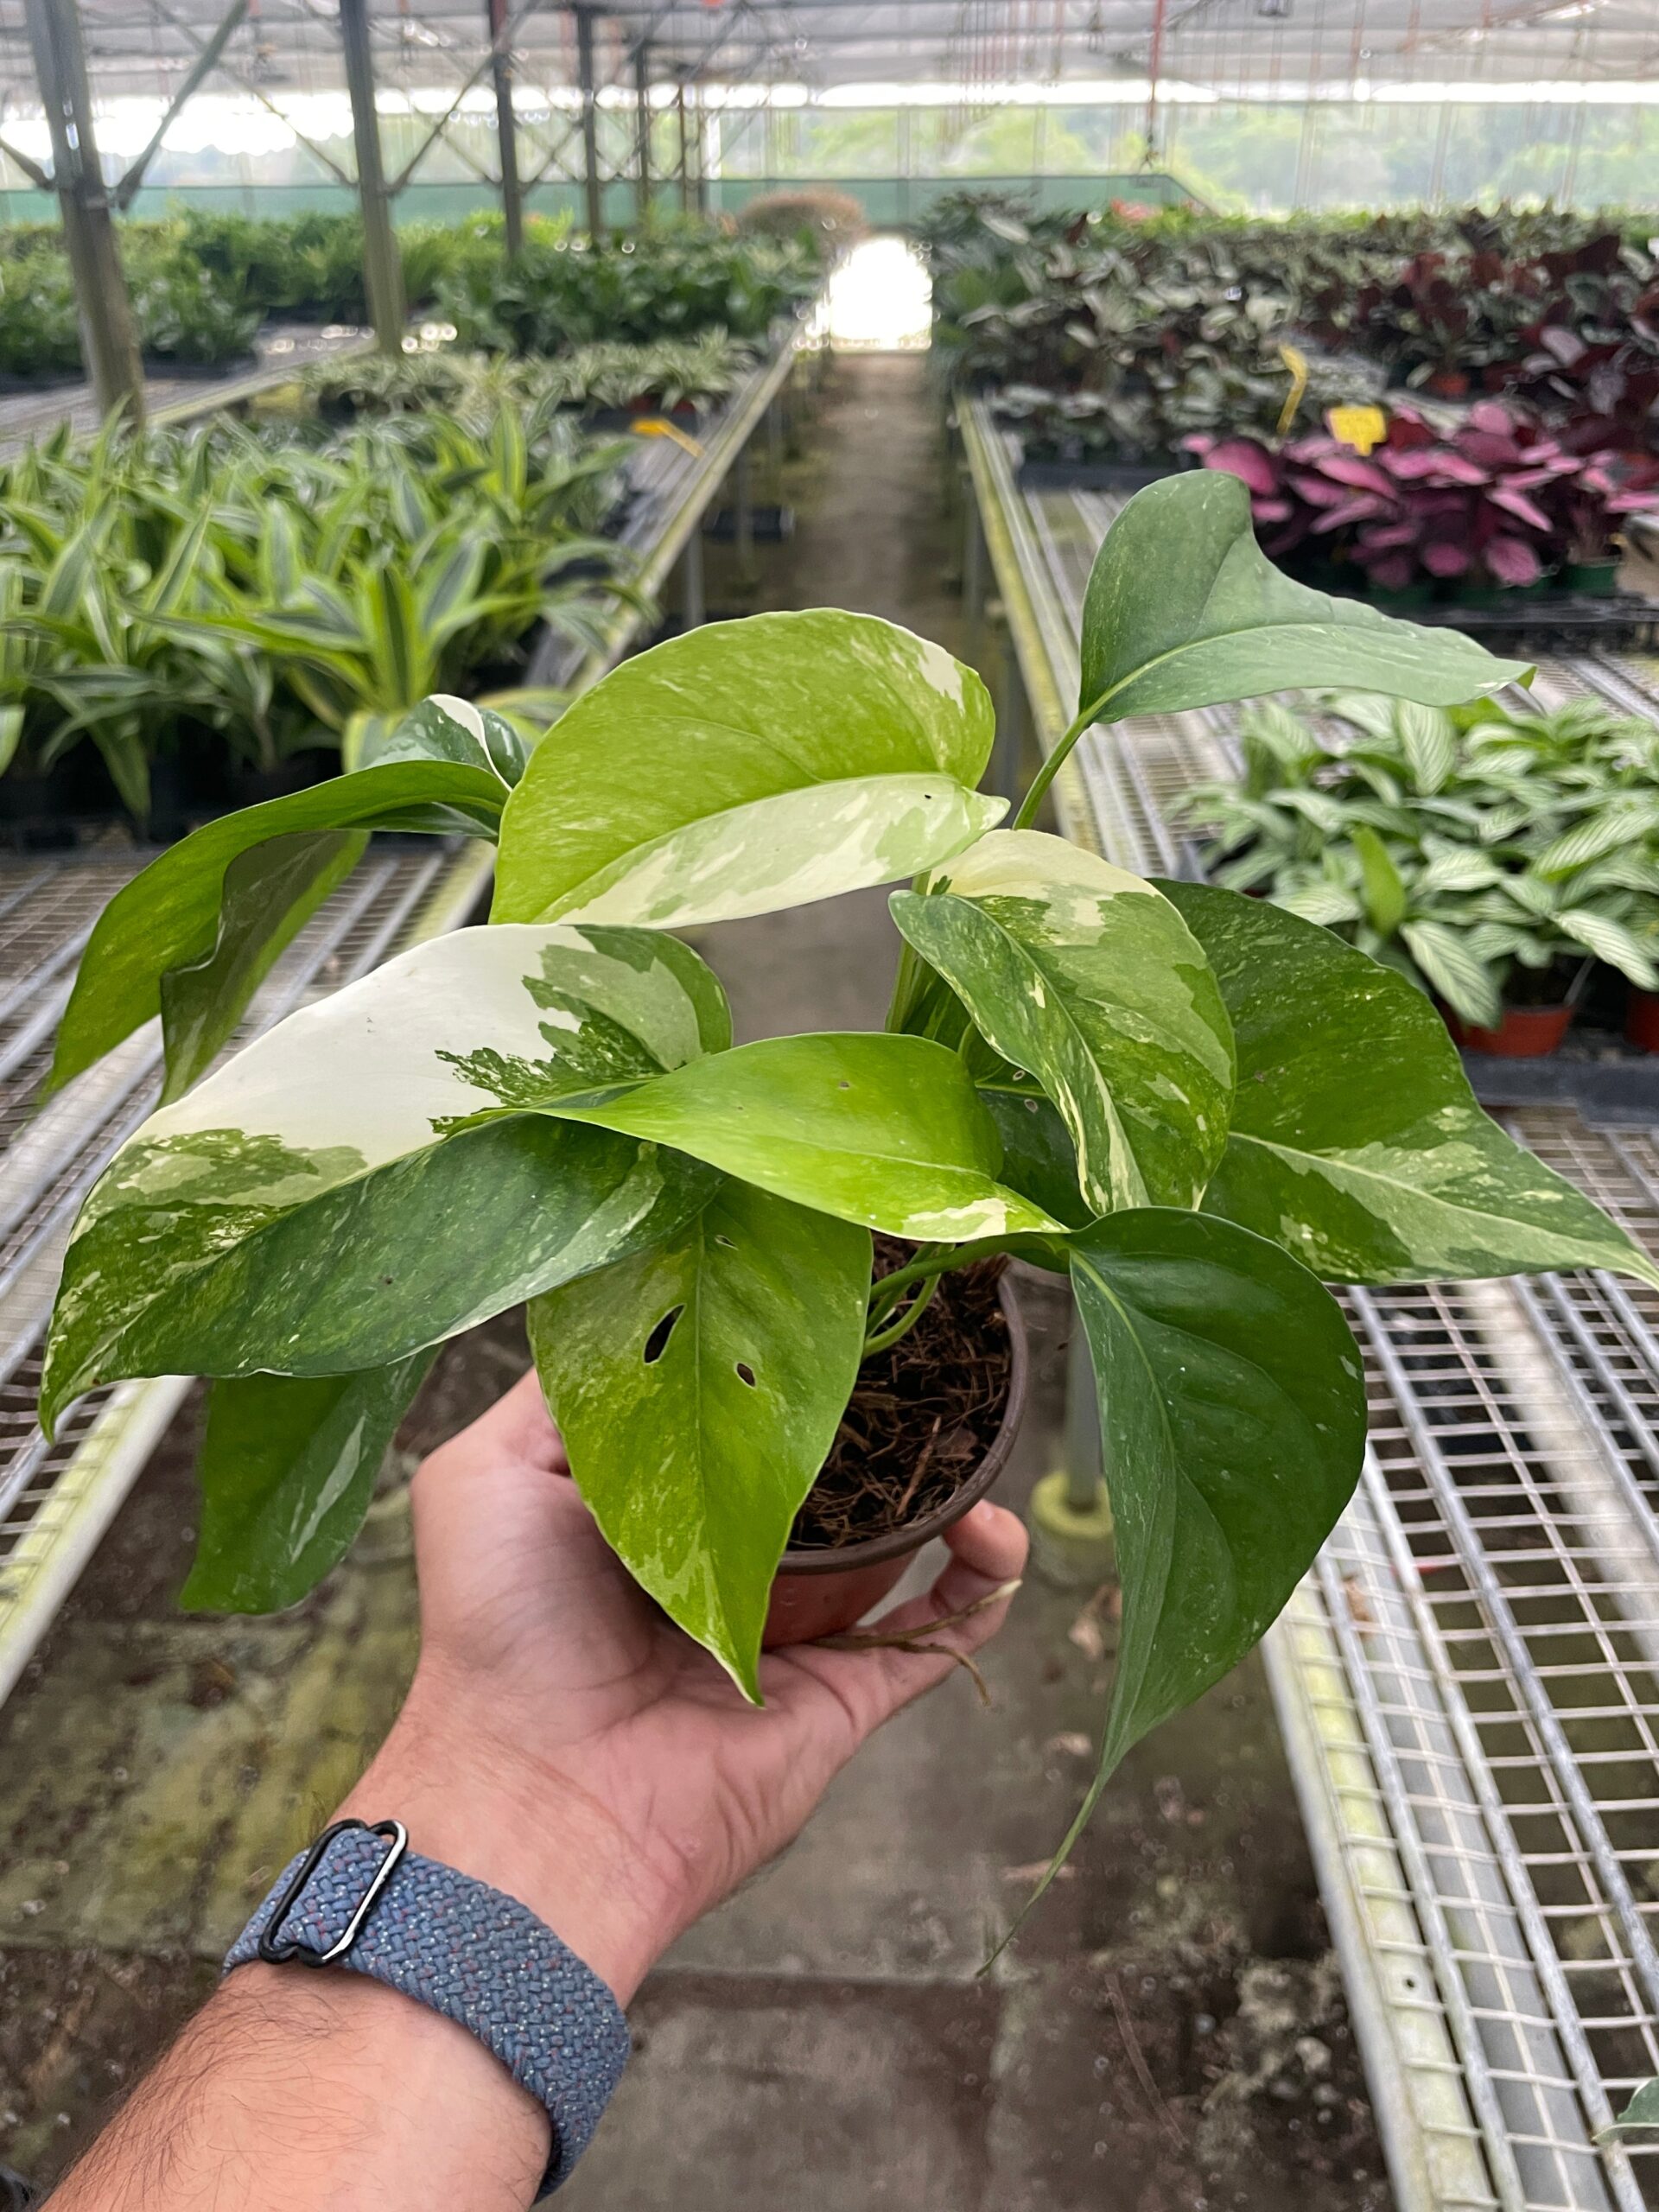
x=1168, y=2035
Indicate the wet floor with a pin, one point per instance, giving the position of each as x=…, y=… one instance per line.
x=1169, y=2034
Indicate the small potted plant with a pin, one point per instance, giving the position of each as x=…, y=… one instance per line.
x=1193, y=1104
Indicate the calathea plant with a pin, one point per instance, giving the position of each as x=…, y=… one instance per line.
x=1194, y=1103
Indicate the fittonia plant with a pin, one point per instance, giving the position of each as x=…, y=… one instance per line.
x=1194, y=1102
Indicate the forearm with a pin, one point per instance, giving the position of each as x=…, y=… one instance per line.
x=299, y=2089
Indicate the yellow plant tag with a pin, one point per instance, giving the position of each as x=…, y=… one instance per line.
x=1361, y=428
x=1297, y=363
x=654, y=426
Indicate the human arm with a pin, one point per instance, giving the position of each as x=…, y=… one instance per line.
x=563, y=1742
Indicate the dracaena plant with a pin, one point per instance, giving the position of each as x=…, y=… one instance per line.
x=1193, y=1103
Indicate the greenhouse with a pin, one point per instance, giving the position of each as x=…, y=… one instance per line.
x=829, y=1105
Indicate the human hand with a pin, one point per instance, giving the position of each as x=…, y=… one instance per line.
x=564, y=1741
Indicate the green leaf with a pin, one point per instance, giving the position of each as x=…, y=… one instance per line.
x=376, y=1173
x=1038, y=1159
x=1611, y=942
x=886, y=1131
x=698, y=1389
x=1082, y=973
x=1232, y=1409
x=1356, y=1140
x=747, y=767
x=444, y=727
x=270, y=892
x=1642, y=2110
x=1385, y=889
x=1430, y=744
x=169, y=915
x=1182, y=609
x=1451, y=966
x=287, y=1468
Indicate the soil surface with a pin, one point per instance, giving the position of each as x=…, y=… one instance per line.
x=1167, y=2035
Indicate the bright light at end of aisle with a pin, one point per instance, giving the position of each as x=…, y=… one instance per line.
x=878, y=299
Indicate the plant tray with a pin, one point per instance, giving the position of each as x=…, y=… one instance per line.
x=1090, y=475
x=1567, y=621
x=1622, y=1087
x=772, y=523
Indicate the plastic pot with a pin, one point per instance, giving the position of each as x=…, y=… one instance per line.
x=1642, y=1021
x=1526, y=1032
x=1407, y=596
x=823, y=1592
x=1593, y=579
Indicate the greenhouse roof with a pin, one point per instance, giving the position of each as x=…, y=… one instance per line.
x=1091, y=49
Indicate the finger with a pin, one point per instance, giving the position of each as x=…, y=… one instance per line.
x=988, y=1553
x=518, y=1426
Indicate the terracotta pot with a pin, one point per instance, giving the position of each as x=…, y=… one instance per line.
x=823, y=1592
x=1642, y=1021
x=1526, y=1032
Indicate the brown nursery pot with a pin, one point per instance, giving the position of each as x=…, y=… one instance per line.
x=1526, y=1032
x=822, y=1592
x=1642, y=1021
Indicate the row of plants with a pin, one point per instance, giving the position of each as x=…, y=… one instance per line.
x=1193, y=1104
x=239, y=600
x=202, y=284
x=1496, y=857
x=669, y=376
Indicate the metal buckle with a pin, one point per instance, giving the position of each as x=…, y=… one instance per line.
x=276, y=1953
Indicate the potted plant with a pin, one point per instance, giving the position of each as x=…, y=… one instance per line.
x=1192, y=1103
x=1491, y=856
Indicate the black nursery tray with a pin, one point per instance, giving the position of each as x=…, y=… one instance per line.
x=1551, y=622
x=1602, y=1077
x=1090, y=475
x=770, y=524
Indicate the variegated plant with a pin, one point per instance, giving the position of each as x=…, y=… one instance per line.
x=1198, y=1104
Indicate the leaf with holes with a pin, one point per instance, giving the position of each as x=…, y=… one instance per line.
x=882, y=1130
x=747, y=766
x=1182, y=609
x=1232, y=1410
x=287, y=1471
x=1356, y=1140
x=698, y=1388
x=1083, y=975
x=282, y=1217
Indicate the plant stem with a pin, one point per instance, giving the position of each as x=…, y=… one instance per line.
x=1051, y=768
x=912, y=1313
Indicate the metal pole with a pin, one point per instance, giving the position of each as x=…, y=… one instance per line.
x=382, y=271
x=684, y=148
x=507, y=129
x=589, y=123
x=642, y=125
x=701, y=174
x=108, y=336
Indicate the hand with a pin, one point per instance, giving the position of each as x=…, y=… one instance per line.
x=564, y=1741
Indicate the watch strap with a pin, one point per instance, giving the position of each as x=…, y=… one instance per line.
x=360, y=1899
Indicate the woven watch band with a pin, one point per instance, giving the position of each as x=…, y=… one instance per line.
x=455, y=1944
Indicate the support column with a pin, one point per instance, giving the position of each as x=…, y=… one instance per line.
x=589, y=87
x=642, y=129
x=382, y=271
x=109, y=335
x=507, y=129
x=684, y=148
x=701, y=175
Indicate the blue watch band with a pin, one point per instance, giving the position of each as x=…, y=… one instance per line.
x=360, y=1898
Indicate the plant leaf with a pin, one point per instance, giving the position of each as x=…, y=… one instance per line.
x=698, y=1388
x=747, y=766
x=268, y=894
x=1642, y=2110
x=288, y=1467
x=1429, y=743
x=1232, y=1409
x=1452, y=967
x=169, y=915
x=1182, y=609
x=1355, y=1139
x=283, y=1217
x=1081, y=973
x=883, y=1130
x=1385, y=889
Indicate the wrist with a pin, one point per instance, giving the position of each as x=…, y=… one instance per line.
x=523, y=1825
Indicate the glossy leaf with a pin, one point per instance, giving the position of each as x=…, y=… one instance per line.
x=1085, y=975
x=1642, y=2111
x=446, y=728
x=287, y=1468
x=1356, y=1140
x=882, y=1130
x=286, y=1216
x=698, y=1388
x=1038, y=1159
x=1184, y=609
x=268, y=894
x=1232, y=1411
x=168, y=916
x=747, y=767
